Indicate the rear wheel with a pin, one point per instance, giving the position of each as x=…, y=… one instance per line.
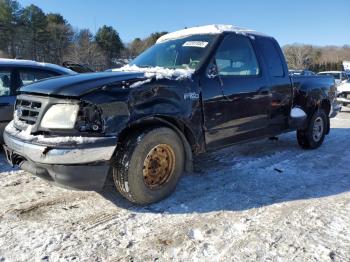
x=149, y=165
x=312, y=137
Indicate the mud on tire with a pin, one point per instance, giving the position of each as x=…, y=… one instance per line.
x=148, y=165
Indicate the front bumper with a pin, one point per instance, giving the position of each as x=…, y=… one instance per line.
x=82, y=166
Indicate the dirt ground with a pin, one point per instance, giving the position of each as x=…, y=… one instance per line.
x=262, y=201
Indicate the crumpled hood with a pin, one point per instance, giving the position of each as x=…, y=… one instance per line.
x=79, y=85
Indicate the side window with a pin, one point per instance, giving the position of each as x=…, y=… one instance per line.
x=30, y=76
x=272, y=57
x=236, y=57
x=5, y=82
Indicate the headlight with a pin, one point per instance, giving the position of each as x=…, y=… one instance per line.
x=89, y=119
x=60, y=116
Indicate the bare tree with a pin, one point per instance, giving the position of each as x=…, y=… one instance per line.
x=85, y=51
x=300, y=56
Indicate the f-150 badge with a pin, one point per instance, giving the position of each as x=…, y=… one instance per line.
x=191, y=96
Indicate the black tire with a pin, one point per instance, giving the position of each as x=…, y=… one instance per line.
x=129, y=169
x=312, y=137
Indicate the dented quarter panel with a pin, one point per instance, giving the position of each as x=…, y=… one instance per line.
x=310, y=91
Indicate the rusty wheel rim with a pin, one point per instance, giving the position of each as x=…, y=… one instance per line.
x=158, y=166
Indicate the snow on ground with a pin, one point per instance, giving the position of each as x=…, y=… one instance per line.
x=266, y=200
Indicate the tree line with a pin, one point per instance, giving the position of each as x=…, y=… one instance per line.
x=29, y=33
x=316, y=58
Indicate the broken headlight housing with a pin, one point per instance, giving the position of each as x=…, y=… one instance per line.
x=83, y=117
x=89, y=119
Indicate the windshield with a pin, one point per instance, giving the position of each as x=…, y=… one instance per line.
x=186, y=53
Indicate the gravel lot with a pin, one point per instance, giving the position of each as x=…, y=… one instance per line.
x=267, y=200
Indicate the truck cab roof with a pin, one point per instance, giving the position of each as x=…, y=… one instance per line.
x=207, y=30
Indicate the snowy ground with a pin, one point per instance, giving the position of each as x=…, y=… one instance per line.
x=267, y=200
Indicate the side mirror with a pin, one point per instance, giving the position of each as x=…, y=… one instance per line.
x=213, y=71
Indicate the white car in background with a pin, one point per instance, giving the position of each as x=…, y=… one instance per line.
x=343, y=85
x=343, y=91
x=339, y=76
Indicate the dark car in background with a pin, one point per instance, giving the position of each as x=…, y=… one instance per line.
x=17, y=73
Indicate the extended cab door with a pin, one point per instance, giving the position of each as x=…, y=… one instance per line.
x=281, y=88
x=236, y=103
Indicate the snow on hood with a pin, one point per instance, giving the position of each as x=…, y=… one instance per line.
x=156, y=72
x=204, y=30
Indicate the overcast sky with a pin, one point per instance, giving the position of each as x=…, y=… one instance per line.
x=321, y=22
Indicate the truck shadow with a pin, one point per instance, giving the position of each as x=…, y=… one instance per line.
x=257, y=174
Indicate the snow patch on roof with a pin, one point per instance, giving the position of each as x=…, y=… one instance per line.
x=157, y=73
x=26, y=62
x=204, y=30
x=21, y=62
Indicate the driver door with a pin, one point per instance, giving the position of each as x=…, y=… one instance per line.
x=236, y=101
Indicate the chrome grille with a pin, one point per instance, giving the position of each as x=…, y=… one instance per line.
x=28, y=111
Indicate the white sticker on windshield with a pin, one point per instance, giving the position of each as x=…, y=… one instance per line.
x=200, y=44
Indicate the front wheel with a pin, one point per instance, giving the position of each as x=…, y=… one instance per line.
x=149, y=165
x=312, y=137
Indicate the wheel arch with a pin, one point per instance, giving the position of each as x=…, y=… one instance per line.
x=321, y=103
x=325, y=104
x=184, y=132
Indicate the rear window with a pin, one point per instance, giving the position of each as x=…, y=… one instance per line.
x=272, y=57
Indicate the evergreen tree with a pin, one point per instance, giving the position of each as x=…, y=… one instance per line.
x=35, y=35
x=60, y=34
x=10, y=11
x=109, y=41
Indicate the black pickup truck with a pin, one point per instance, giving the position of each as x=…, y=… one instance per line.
x=195, y=90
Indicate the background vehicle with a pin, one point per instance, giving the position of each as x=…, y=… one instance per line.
x=195, y=90
x=301, y=72
x=16, y=73
x=77, y=67
x=343, y=91
x=339, y=76
x=343, y=85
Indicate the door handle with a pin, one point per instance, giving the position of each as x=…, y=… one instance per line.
x=4, y=104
